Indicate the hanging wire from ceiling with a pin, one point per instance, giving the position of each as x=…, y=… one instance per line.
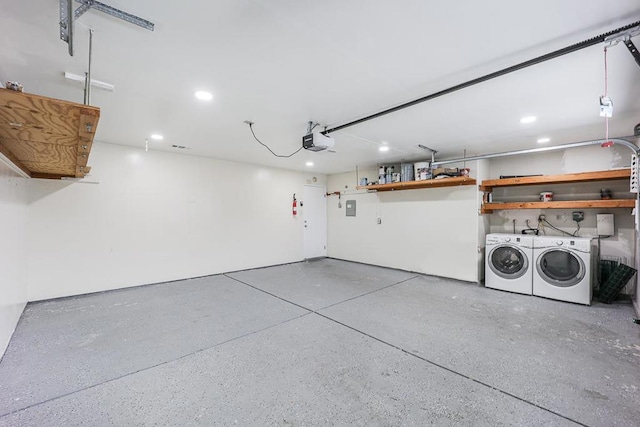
x=250, y=123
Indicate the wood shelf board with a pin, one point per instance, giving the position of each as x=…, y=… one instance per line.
x=36, y=135
x=49, y=168
x=569, y=204
x=45, y=136
x=13, y=159
x=28, y=151
x=58, y=176
x=20, y=117
x=11, y=99
x=414, y=185
x=608, y=175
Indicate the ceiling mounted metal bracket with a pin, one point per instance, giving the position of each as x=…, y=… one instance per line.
x=622, y=36
x=81, y=10
x=633, y=49
x=66, y=23
x=433, y=152
x=68, y=16
x=625, y=37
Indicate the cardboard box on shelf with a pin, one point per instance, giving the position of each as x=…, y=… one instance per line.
x=446, y=171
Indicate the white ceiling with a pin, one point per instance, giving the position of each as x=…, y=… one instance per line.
x=281, y=63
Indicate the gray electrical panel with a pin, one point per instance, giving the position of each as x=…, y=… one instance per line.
x=351, y=208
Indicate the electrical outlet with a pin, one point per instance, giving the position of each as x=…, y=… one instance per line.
x=379, y=220
x=578, y=216
x=541, y=218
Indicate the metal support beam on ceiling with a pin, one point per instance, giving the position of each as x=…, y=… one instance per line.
x=68, y=16
x=626, y=31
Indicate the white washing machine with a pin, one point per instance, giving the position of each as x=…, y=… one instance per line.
x=564, y=268
x=508, y=263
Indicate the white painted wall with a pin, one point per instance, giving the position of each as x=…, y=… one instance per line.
x=484, y=226
x=584, y=159
x=432, y=231
x=13, y=283
x=157, y=216
x=438, y=231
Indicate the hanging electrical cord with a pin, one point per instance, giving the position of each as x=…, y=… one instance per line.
x=266, y=146
x=544, y=221
x=535, y=231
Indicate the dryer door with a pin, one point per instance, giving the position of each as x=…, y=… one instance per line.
x=508, y=262
x=560, y=267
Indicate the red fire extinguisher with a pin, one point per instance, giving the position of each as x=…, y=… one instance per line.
x=295, y=205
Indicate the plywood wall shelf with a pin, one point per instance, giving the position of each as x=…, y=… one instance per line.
x=569, y=204
x=609, y=175
x=599, y=176
x=46, y=137
x=412, y=185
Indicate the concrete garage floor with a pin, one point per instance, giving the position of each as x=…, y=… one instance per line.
x=325, y=342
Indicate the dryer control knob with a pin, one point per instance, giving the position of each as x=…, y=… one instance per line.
x=507, y=239
x=559, y=243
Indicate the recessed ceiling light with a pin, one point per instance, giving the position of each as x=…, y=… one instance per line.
x=383, y=148
x=543, y=140
x=205, y=96
x=528, y=119
x=157, y=136
x=309, y=163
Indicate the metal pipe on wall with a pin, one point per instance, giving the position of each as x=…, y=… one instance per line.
x=620, y=141
x=87, y=83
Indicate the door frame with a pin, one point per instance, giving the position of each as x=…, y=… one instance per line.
x=325, y=221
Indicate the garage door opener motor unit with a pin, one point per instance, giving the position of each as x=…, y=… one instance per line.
x=316, y=141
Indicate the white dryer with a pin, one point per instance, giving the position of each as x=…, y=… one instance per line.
x=508, y=262
x=564, y=268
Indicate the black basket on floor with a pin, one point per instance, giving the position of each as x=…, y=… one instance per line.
x=617, y=280
x=606, y=268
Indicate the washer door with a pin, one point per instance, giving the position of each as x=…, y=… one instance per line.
x=560, y=267
x=508, y=262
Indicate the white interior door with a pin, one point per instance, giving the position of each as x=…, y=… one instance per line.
x=314, y=215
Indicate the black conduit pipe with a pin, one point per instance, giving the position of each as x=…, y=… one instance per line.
x=555, y=54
